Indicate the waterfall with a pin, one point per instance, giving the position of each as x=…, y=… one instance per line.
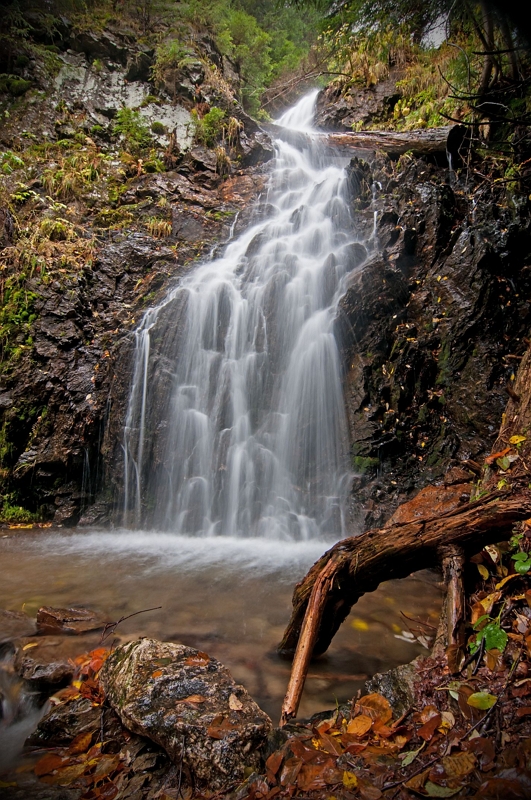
x=236, y=422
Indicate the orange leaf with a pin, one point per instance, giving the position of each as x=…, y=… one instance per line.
x=193, y=699
x=359, y=725
x=273, y=762
x=219, y=727
x=311, y=777
x=494, y=456
x=197, y=660
x=107, y=764
x=81, y=743
x=49, y=763
x=459, y=764
x=67, y=775
x=375, y=706
x=417, y=781
x=428, y=729
x=306, y=754
x=157, y=673
x=290, y=770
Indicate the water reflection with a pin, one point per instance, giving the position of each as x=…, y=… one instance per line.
x=228, y=597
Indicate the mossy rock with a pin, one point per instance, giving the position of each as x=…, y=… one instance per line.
x=13, y=85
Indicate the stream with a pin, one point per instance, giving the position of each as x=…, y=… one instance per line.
x=228, y=597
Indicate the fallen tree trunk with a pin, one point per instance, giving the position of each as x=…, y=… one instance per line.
x=359, y=564
x=419, y=142
x=362, y=562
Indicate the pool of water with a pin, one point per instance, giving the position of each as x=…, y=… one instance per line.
x=228, y=597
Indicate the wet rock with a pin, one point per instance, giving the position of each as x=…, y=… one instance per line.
x=66, y=721
x=7, y=227
x=338, y=109
x=432, y=501
x=241, y=188
x=43, y=674
x=419, y=325
x=68, y=620
x=190, y=705
x=15, y=624
x=397, y=685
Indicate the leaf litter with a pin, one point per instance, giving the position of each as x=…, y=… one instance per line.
x=465, y=736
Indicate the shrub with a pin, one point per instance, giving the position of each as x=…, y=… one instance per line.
x=131, y=125
x=210, y=128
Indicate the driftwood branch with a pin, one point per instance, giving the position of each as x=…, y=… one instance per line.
x=359, y=564
x=450, y=638
x=419, y=142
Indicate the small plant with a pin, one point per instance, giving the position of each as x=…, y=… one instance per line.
x=132, y=127
x=14, y=514
x=223, y=162
x=210, y=128
x=159, y=228
x=148, y=100
x=9, y=161
x=158, y=128
x=522, y=562
x=488, y=629
x=13, y=85
x=57, y=230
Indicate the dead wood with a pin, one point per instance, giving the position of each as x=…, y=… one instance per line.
x=359, y=564
x=450, y=638
x=362, y=562
x=419, y=142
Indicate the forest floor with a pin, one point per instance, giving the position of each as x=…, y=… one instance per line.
x=466, y=734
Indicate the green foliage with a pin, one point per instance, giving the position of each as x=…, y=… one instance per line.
x=9, y=162
x=363, y=464
x=522, y=562
x=14, y=514
x=14, y=85
x=17, y=313
x=249, y=46
x=491, y=631
x=158, y=128
x=210, y=128
x=171, y=55
x=131, y=125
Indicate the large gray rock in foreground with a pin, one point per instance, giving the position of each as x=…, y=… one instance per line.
x=189, y=704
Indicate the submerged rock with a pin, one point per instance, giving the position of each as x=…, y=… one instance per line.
x=14, y=624
x=68, y=620
x=189, y=704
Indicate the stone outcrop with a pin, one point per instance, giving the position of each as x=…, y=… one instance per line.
x=433, y=326
x=133, y=228
x=189, y=704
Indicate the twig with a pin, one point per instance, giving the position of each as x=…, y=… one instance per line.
x=110, y=627
x=479, y=652
x=179, y=782
x=408, y=777
x=482, y=722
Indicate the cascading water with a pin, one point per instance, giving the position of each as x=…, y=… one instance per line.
x=236, y=421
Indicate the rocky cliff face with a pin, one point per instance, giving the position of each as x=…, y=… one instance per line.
x=95, y=224
x=434, y=325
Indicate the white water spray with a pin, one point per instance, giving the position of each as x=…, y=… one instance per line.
x=236, y=422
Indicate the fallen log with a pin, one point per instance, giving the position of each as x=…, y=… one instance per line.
x=357, y=565
x=420, y=142
x=362, y=562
